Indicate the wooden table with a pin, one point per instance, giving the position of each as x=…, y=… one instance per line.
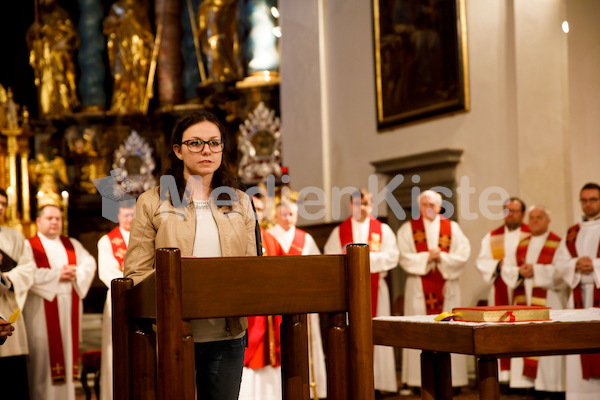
x=570, y=331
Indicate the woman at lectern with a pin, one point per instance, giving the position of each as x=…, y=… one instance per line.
x=200, y=209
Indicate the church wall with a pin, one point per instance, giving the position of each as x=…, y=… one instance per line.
x=583, y=140
x=521, y=83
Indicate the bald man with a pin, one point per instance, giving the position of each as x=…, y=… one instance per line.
x=433, y=252
x=534, y=280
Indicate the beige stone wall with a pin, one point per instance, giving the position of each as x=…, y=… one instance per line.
x=532, y=128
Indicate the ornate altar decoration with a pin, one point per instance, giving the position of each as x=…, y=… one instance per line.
x=82, y=148
x=130, y=53
x=133, y=166
x=44, y=174
x=263, y=43
x=260, y=145
x=13, y=160
x=218, y=33
x=52, y=40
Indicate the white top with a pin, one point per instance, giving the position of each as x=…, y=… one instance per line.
x=452, y=262
x=108, y=265
x=206, y=244
x=383, y=260
x=586, y=244
x=544, y=275
x=486, y=264
x=285, y=239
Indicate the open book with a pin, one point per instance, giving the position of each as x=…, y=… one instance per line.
x=501, y=313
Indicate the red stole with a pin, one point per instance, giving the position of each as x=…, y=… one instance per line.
x=374, y=243
x=264, y=347
x=433, y=282
x=271, y=246
x=119, y=247
x=298, y=243
x=590, y=363
x=538, y=294
x=57, y=357
x=497, y=247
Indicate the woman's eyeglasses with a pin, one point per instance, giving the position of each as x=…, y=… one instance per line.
x=197, y=145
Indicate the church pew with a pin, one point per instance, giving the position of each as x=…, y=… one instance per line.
x=158, y=363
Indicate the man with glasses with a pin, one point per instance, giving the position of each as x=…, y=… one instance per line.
x=499, y=247
x=578, y=261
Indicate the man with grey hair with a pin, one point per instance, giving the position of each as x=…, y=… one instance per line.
x=433, y=252
x=535, y=280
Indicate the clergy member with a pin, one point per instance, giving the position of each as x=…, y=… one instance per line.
x=433, y=252
x=362, y=227
x=111, y=254
x=297, y=242
x=497, y=248
x=536, y=282
x=16, y=277
x=53, y=310
x=261, y=376
x=578, y=261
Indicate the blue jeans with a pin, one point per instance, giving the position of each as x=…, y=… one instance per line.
x=219, y=369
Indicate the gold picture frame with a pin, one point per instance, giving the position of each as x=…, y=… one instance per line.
x=421, y=60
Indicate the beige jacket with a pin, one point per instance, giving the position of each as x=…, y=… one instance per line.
x=159, y=224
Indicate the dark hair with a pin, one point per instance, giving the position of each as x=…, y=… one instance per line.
x=223, y=176
x=359, y=194
x=590, y=185
x=516, y=199
x=3, y=193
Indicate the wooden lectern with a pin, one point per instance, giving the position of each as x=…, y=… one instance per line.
x=158, y=362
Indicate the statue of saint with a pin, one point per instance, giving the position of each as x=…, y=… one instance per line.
x=218, y=31
x=52, y=40
x=44, y=172
x=130, y=43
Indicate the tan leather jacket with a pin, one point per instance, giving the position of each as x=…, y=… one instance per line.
x=159, y=224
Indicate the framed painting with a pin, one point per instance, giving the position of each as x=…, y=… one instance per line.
x=420, y=59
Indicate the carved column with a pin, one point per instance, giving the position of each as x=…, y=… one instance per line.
x=170, y=63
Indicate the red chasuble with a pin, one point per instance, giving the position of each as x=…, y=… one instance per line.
x=298, y=243
x=264, y=347
x=57, y=357
x=538, y=294
x=590, y=363
x=374, y=243
x=433, y=282
x=497, y=247
x=119, y=247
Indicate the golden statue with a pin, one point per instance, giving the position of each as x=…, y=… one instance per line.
x=43, y=171
x=3, y=101
x=81, y=146
x=130, y=43
x=217, y=29
x=52, y=40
